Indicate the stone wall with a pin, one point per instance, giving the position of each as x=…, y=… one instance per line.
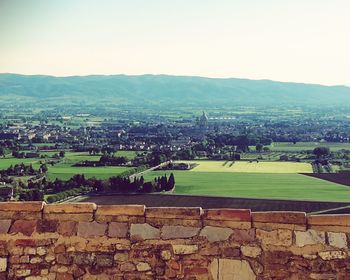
x=83, y=241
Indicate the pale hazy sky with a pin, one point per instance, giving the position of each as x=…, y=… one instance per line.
x=286, y=40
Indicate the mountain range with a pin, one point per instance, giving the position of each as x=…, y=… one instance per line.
x=166, y=90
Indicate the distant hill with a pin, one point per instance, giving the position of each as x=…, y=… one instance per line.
x=150, y=90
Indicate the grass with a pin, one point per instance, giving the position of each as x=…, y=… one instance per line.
x=256, y=185
x=246, y=166
x=306, y=146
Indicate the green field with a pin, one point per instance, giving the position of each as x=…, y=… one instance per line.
x=256, y=185
x=250, y=167
x=65, y=169
x=306, y=146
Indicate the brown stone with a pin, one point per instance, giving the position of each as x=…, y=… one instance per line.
x=4, y=226
x=22, y=226
x=78, y=217
x=23, y=206
x=143, y=232
x=121, y=210
x=281, y=237
x=159, y=222
x=104, y=260
x=65, y=259
x=228, y=214
x=67, y=228
x=119, y=230
x=280, y=217
x=84, y=258
x=91, y=229
x=20, y=215
x=70, y=208
x=64, y=276
x=174, y=212
x=228, y=224
x=329, y=220
x=46, y=226
x=273, y=226
x=243, y=236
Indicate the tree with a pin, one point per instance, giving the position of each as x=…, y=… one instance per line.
x=171, y=182
x=259, y=147
x=321, y=152
x=62, y=153
x=2, y=152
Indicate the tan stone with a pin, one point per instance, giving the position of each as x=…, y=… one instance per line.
x=329, y=220
x=143, y=266
x=309, y=237
x=279, y=217
x=121, y=257
x=3, y=264
x=344, y=229
x=78, y=217
x=251, y=251
x=216, y=233
x=174, y=212
x=22, y=272
x=20, y=215
x=281, y=237
x=331, y=255
x=227, y=269
x=273, y=226
x=121, y=210
x=159, y=222
x=337, y=239
x=70, y=208
x=120, y=219
x=5, y=226
x=165, y=255
x=23, y=206
x=228, y=224
x=227, y=214
x=173, y=232
x=184, y=249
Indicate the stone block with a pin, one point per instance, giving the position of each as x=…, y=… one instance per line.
x=118, y=230
x=281, y=237
x=227, y=214
x=69, y=208
x=3, y=264
x=214, y=234
x=174, y=212
x=309, y=237
x=23, y=206
x=159, y=222
x=91, y=229
x=143, y=266
x=77, y=217
x=251, y=251
x=67, y=228
x=174, y=232
x=228, y=224
x=5, y=226
x=329, y=220
x=243, y=236
x=222, y=269
x=104, y=260
x=44, y=226
x=184, y=249
x=337, y=239
x=26, y=227
x=121, y=210
x=332, y=255
x=280, y=217
x=143, y=232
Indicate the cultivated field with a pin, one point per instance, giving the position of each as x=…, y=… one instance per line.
x=250, y=167
x=306, y=146
x=256, y=185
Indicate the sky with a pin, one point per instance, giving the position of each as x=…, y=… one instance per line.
x=286, y=40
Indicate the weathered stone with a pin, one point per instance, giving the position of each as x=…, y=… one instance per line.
x=159, y=222
x=127, y=267
x=228, y=224
x=309, y=237
x=22, y=272
x=243, y=236
x=280, y=217
x=104, y=260
x=67, y=228
x=121, y=210
x=91, y=229
x=251, y=251
x=4, y=226
x=165, y=255
x=227, y=214
x=64, y=276
x=329, y=220
x=274, y=226
x=65, y=259
x=173, y=232
x=337, y=239
x=77, y=217
x=143, y=232
x=185, y=249
x=84, y=258
x=322, y=276
x=216, y=233
x=3, y=264
x=23, y=226
x=331, y=255
x=279, y=237
x=69, y=208
x=143, y=266
x=227, y=269
x=47, y=226
x=174, y=212
x=23, y=206
x=35, y=260
x=119, y=230
x=41, y=251
x=121, y=257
